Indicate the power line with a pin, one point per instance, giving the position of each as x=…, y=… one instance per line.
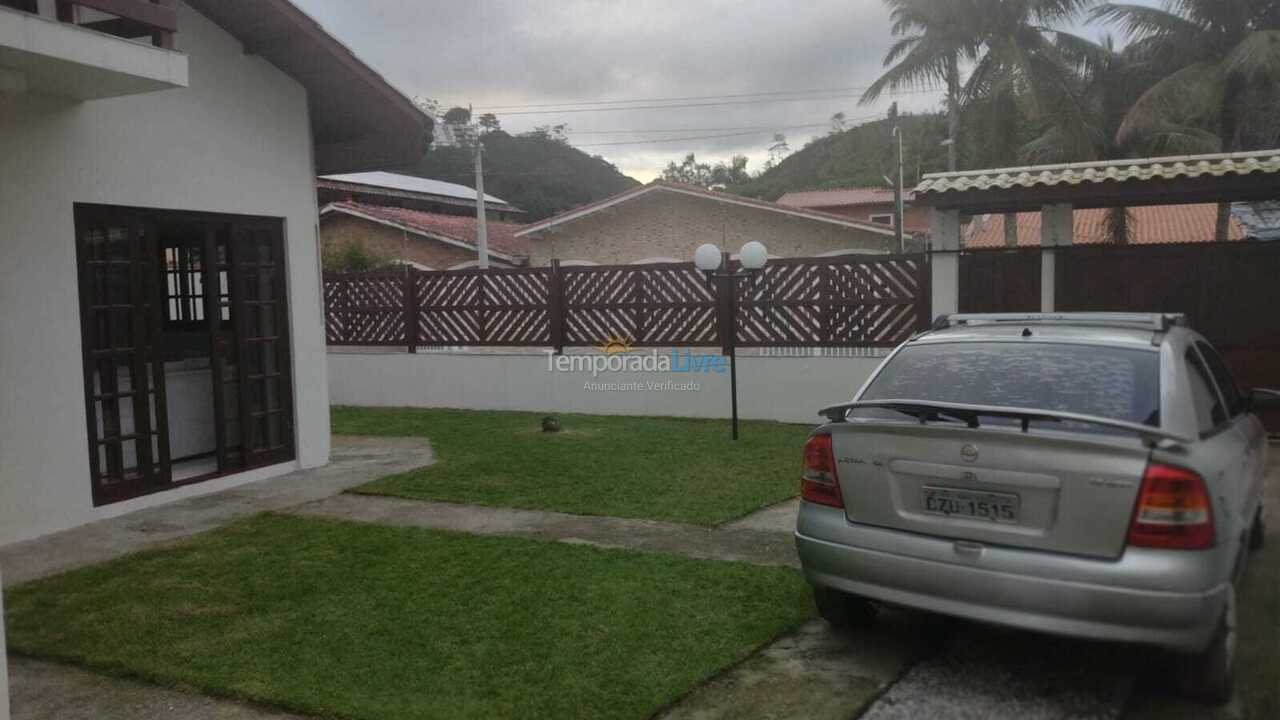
x=745, y=131
x=763, y=96
x=532, y=106
x=683, y=105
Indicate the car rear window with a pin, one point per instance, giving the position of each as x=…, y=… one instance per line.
x=1110, y=382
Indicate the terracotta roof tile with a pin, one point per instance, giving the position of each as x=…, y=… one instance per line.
x=1151, y=224
x=460, y=228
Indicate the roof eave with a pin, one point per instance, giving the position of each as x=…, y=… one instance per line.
x=359, y=120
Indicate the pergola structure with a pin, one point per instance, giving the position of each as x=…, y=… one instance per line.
x=1056, y=191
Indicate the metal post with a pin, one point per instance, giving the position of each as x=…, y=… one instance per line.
x=899, y=211
x=482, y=230
x=731, y=285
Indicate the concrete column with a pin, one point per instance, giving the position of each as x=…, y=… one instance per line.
x=1057, y=228
x=945, y=263
x=4, y=663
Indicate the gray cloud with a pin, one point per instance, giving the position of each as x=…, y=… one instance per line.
x=507, y=52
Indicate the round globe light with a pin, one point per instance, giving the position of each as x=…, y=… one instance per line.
x=707, y=257
x=753, y=255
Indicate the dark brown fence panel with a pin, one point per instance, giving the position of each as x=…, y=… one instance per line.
x=844, y=301
x=365, y=308
x=483, y=307
x=848, y=301
x=651, y=305
x=1229, y=291
x=1000, y=280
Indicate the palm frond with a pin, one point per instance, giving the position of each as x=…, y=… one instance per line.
x=1257, y=57
x=1139, y=21
x=901, y=47
x=923, y=67
x=1192, y=88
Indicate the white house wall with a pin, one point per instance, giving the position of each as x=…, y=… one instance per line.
x=787, y=389
x=238, y=140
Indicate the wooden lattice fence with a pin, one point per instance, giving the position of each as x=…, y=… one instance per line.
x=846, y=301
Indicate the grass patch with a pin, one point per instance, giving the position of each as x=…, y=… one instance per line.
x=364, y=621
x=684, y=470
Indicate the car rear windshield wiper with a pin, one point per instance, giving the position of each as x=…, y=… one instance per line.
x=969, y=414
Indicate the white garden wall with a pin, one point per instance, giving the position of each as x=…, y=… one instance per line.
x=787, y=389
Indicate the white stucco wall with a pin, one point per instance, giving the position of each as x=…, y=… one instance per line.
x=237, y=140
x=4, y=665
x=787, y=389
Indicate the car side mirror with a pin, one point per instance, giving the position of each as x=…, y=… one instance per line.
x=1263, y=397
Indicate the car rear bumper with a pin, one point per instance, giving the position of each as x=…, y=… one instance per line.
x=926, y=573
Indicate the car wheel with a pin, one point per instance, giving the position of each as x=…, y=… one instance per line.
x=842, y=610
x=1258, y=533
x=1210, y=676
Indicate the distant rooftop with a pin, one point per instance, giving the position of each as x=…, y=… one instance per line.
x=838, y=197
x=1151, y=224
x=413, y=184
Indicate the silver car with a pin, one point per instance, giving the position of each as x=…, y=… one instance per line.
x=1096, y=475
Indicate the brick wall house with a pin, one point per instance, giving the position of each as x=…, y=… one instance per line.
x=426, y=240
x=669, y=220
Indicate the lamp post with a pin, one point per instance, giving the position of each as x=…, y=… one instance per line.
x=708, y=259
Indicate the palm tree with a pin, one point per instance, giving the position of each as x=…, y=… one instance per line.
x=1017, y=64
x=1222, y=59
x=1109, y=81
x=934, y=38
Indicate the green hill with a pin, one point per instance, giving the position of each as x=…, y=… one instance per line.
x=857, y=157
x=537, y=174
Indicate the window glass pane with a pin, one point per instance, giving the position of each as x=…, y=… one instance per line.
x=1209, y=410
x=1116, y=383
x=1222, y=376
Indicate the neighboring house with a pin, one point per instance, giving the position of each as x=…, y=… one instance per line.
x=160, y=295
x=427, y=241
x=1148, y=224
x=870, y=204
x=393, y=189
x=670, y=220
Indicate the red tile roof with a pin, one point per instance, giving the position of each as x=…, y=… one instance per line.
x=459, y=228
x=839, y=197
x=626, y=195
x=1151, y=224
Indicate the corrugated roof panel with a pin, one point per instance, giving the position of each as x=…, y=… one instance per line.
x=1165, y=168
x=411, y=183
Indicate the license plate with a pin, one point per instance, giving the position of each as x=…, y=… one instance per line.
x=995, y=507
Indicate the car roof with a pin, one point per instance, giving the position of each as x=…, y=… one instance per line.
x=1137, y=338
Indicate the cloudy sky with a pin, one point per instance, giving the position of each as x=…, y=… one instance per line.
x=508, y=55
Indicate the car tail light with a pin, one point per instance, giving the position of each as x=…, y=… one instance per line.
x=818, y=482
x=1173, y=510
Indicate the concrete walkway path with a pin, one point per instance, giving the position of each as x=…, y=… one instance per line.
x=353, y=461
x=761, y=547
x=50, y=691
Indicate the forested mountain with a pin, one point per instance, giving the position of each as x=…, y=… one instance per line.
x=536, y=172
x=858, y=157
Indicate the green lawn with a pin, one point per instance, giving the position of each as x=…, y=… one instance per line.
x=363, y=621
x=678, y=469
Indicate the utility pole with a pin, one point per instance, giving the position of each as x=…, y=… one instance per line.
x=898, y=209
x=482, y=230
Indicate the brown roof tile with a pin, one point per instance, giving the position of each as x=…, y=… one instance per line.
x=1151, y=224
x=460, y=228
